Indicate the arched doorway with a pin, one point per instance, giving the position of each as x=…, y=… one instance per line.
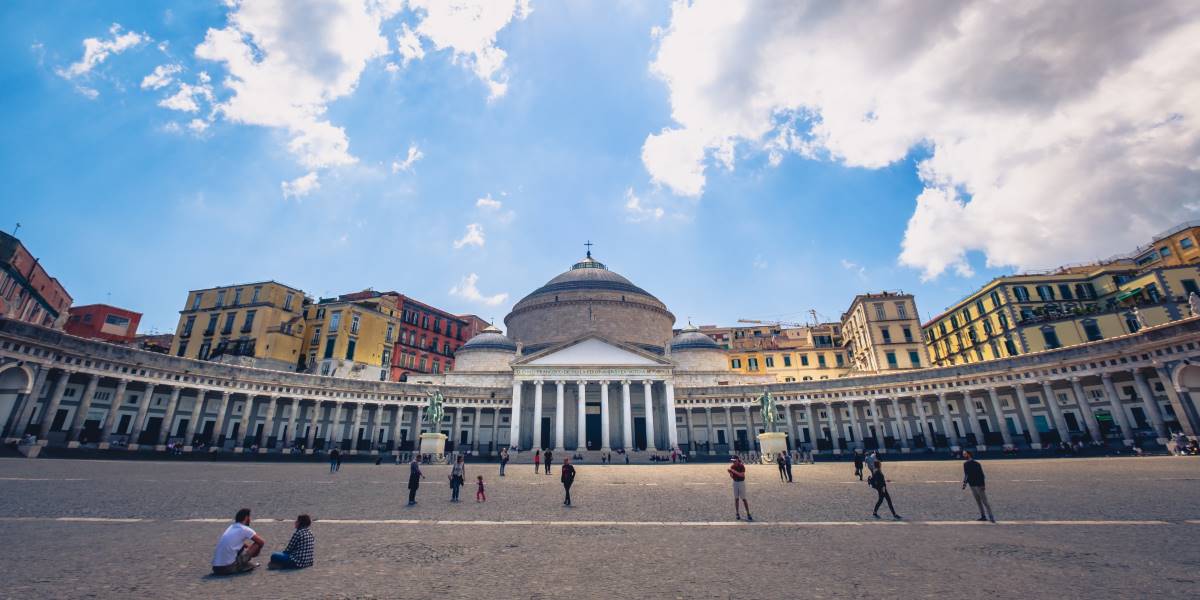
x=16, y=383
x=1187, y=385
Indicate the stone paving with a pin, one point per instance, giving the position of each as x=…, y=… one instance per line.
x=1071, y=528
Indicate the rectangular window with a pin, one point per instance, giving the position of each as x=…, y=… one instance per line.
x=821, y=360
x=386, y=359
x=914, y=357
x=1092, y=330
x=1010, y=347
x=1045, y=292
x=212, y=324
x=248, y=325
x=287, y=303
x=901, y=310
x=1021, y=293
x=182, y=348
x=329, y=343
x=787, y=360
x=257, y=293
x=804, y=360
x=220, y=299
x=979, y=307
x=354, y=320
x=316, y=337
x=841, y=360
x=1050, y=337
x=1185, y=243
x=770, y=362
x=350, y=349
x=237, y=296
x=1064, y=291
x=422, y=367
x=320, y=313
x=953, y=322
x=1164, y=251
x=196, y=301
x=335, y=321
x=891, y=360
x=735, y=363
x=995, y=296
x=879, y=312
x=752, y=364
x=908, y=337
x=1003, y=320
x=228, y=328
x=187, y=326
x=887, y=335
x=204, y=350
x=1189, y=286
x=391, y=330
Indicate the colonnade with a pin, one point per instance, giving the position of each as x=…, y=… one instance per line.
x=558, y=441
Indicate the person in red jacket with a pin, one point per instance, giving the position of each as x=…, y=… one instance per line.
x=737, y=472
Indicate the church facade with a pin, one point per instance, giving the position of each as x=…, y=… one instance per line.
x=590, y=363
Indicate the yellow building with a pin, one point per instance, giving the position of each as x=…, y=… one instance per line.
x=789, y=353
x=882, y=332
x=256, y=324
x=1031, y=312
x=1177, y=246
x=352, y=336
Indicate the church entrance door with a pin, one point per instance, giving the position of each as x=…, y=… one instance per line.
x=593, y=432
x=639, y=433
x=545, y=433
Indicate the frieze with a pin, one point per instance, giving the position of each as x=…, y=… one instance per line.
x=531, y=373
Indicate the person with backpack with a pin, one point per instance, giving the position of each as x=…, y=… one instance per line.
x=567, y=477
x=878, y=481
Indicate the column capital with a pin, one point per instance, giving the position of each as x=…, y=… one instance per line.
x=581, y=382
x=604, y=382
x=625, y=382
x=1105, y=376
x=539, y=382
x=560, y=382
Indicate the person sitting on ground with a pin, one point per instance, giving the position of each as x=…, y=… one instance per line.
x=237, y=546
x=299, y=552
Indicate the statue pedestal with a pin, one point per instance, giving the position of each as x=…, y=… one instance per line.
x=770, y=444
x=433, y=443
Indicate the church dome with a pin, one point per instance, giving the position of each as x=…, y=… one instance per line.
x=489, y=350
x=490, y=338
x=692, y=339
x=590, y=298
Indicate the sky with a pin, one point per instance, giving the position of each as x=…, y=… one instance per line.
x=737, y=160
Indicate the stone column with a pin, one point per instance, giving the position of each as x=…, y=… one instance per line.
x=558, y=417
x=1001, y=422
x=880, y=436
x=514, y=418
x=1056, y=412
x=24, y=405
x=110, y=420
x=687, y=426
x=135, y=431
x=1151, y=405
x=81, y=411
x=475, y=430
x=730, y=440
x=243, y=441
x=605, y=442
x=923, y=422
x=358, y=410
x=1118, y=410
x=854, y=426
x=269, y=425
x=951, y=435
x=833, y=432
x=1188, y=420
x=56, y=397
x=712, y=441
x=1086, y=408
x=293, y=415
x=672, y=429
x=537, y=416
x=496, y=430
x=814, y=431
x=581, y=417
x=335, y=430
x=313, y=423
x=898, y=425
x=973, y=414
x=194, y=422
x=792, y=442
x=1035, y=437
x=169, y=418
x=219, y=430
x=396, y=425
x=651, y=444
x=627, y=417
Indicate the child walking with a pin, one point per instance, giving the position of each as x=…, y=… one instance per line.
x=479, y=495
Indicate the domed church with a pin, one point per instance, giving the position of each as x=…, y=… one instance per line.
x=593, y=364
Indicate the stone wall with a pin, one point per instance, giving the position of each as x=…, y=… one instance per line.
x=634, y=320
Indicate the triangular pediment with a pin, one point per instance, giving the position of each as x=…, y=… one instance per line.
x=593, y=350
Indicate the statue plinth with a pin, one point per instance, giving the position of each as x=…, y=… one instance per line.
x=433, y=443
x=770, y=444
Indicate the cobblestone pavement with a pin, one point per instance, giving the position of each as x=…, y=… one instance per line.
x=1072, y=528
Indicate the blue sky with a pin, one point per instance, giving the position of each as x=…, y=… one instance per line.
x=126, y=204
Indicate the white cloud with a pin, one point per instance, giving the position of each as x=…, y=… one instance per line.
x=1053, y=134
x=468, y=28
x=487, y=203
x=197, y=126
x=414, y=154
x=96, y=50
x=855, y=268
x=185, y=99
x=162, y=76
x=636, y=212
x=300, y=186
x=409, y=45
x=467, y=290
x=288, y=60
x=473, y=237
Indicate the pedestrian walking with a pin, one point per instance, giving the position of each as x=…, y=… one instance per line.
x=878, y=481
x=335, y=460
x=503, y=460
x=781, y=462
x=973, y=477
x=537, y=460
x=549, y=458
x=458, y=474
x=480, y=496
x=737, y=472
x=871, y=460
x=858, y=464
x=567, y=476
x=787, y=458
x=414, y=479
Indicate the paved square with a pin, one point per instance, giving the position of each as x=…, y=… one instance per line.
x=1070, y=528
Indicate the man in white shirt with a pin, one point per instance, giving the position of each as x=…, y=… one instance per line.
x=237, y=546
